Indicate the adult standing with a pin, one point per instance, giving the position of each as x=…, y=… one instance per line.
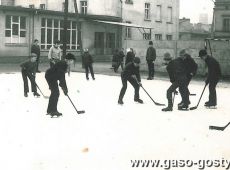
x=35, y=48
x=88, y=63
x=214, y=73
x=150, y=58
x=54, y=54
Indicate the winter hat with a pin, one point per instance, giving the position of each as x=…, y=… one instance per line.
x=167, y=57
x=137, y=60
x=85, y=50
x=202, y=52
x=150, y=43
x=70, y=56
x=182, y=52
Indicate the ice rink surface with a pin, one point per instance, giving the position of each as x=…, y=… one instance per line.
x=108, y=136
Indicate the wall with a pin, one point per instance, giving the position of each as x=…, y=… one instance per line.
x=220, y=51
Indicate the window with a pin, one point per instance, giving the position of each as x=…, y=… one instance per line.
x=53, y=29
x=128, y=33
x=31, y=6
x=129, y=1
x=158, y=36
x=226, y=25
x=15, y=29
x=158, y=13
x=169, y=13
x=42, y=6
x=169, y=37
x=83, y=7
x=146, y=36
x=147, y=11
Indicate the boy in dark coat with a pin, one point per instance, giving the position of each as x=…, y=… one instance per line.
x=53, y=75
x=88, y=63
x=36, y=49
x=214, y=74
x=150, y=58
x=190, y=68
x=28, y=70
x=129, y=56
x=177, y=75
x=131, y=73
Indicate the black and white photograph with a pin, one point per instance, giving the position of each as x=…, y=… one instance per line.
x=114, y=84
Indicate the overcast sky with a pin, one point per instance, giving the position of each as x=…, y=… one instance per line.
x=192, y=8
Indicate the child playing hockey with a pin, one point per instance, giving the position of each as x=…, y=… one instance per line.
x=28, y=71
x=131, y=73
x=53, y=75
x=214, y=73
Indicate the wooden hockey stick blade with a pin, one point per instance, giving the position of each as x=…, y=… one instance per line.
x=81, y=112
x=216, y=128
x=159, y=104
x=193, y=108
x=192, y=94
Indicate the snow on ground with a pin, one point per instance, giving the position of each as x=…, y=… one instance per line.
x=108, y=136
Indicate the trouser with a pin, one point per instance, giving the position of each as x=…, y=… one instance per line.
x=133, y=82
x=120, y=63
x=212, y=92
x=151, y=69
x=54, y=95
x=37, y=63
x=89, y=67
x=183, y=92
x=25, y=74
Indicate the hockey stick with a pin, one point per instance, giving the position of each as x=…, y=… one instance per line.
x=158, y=104
x=195, y=107
x=46, y=97
x=219, y=127
x=78, y=111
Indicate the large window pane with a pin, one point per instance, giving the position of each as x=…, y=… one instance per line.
x=22, y=33
x=55, y=23
x=15, y=29
x=49, y=22
x=15, y=19
x=49, y=36
x=8, y=33
x=8, y=21
x=73, y=37
x=55, y=34
x=43, y=22
x=43, y=35
x=23, y=22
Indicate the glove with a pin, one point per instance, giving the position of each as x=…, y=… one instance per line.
x=65, y=91
x=206, y=82
x=140, y=84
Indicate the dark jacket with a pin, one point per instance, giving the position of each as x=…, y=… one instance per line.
x=87, y=58
x=176, y=70
x=151, y=54
x=29, y=67
x=57, y=73
x=214, y=71
x=190, y=65
x=131, y=70
x=35, y=49
x=121, y=56
x=129, y=57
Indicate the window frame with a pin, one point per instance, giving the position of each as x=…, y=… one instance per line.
x=158, y=37
x=159, y=18
x=58, y=29
x=84, y=7
x=147, y=12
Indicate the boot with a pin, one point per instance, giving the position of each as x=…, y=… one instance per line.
x=25, y=94
x=120, y=102
x=169, y=108
x=183, y=107
x=138, y=100
x=206, y=103
x=55, y=114
x=36, y=94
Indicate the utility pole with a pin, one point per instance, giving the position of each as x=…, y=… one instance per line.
x=65, y=27
x=78, y=29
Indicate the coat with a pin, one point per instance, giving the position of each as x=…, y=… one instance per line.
x=131, y=70
x=151, y=54
x=214, y=71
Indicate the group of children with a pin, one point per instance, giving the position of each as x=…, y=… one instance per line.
x=180, y=70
